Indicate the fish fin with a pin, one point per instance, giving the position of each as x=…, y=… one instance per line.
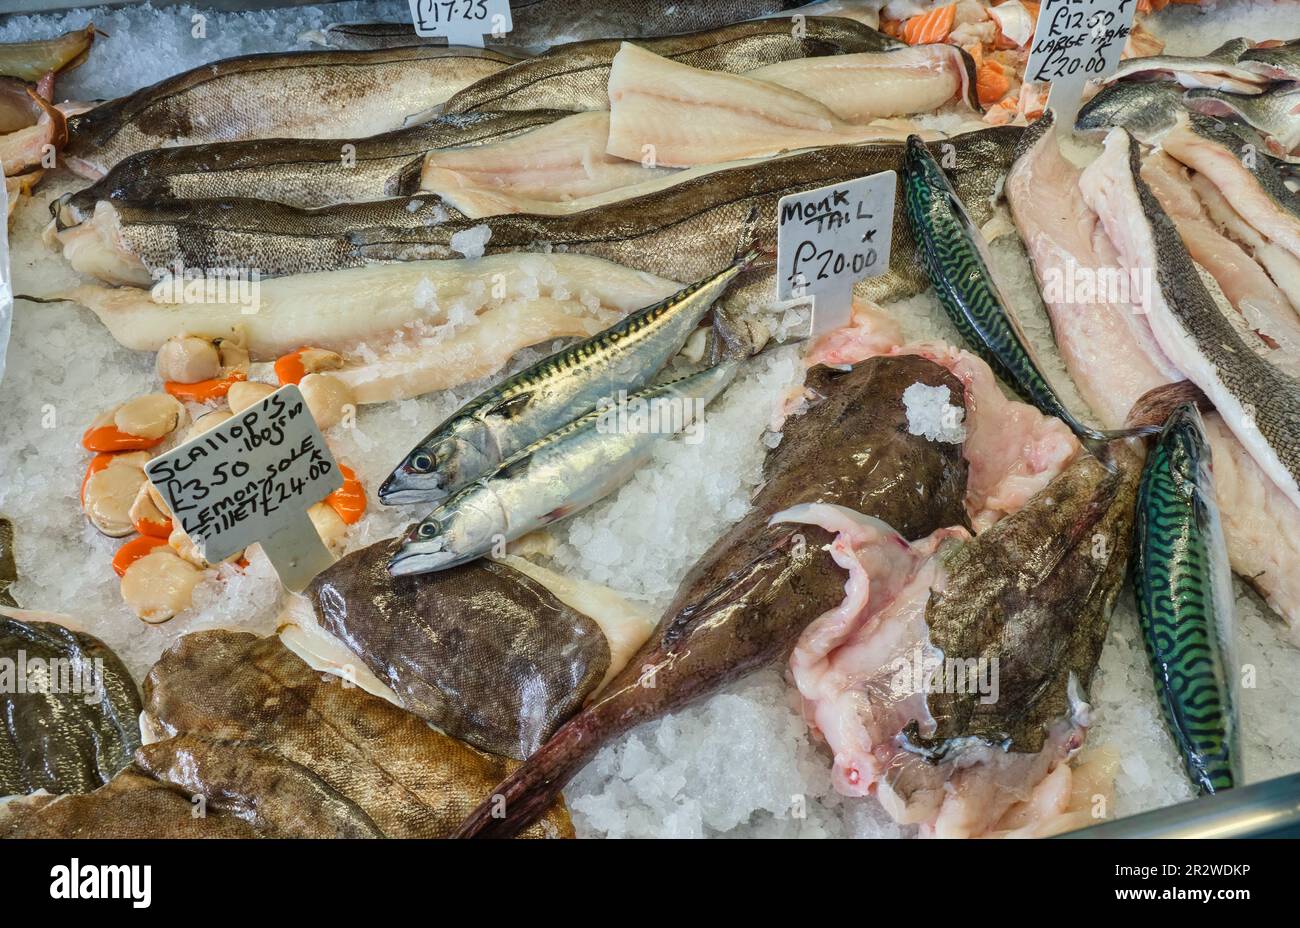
x=1152, y=408
x=515, y=467
x=750, y=248
x=735, y=336
x=511, y=406
x=59, y=134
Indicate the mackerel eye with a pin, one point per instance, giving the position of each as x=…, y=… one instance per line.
x=428, y=529
x=422, y=463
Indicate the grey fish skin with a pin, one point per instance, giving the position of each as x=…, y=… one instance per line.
x=576, y=76
x=483, y=652
x=306, y=173
x=1275, y=113
x=526, y=407
x=1225, y=367
x=65, y=742
x=689, y=231
x=277, y=95
x=539, y=23
x=561, y=474
x=745, y=602
x=1146, y=109
x=1222, y=61
x=1278, y=63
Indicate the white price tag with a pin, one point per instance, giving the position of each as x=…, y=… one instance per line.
x=1076, y=41
x=251, y=479
x=462, y=22
x=830, y=238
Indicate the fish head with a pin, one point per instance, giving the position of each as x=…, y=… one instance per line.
x=436, y=468
x=453, y=534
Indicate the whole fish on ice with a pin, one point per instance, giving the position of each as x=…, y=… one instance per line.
x=528, y=406
x=277, y=95
x=1185, y=601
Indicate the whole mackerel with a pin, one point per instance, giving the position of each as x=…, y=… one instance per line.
x=502, y=421
x=1184, y=599
x=324, y=94
x=297, y=172
x=561, y=474
x=955, y=257
x=575, y=76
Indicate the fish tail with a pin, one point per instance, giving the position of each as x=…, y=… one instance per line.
x=750, y=247
x=59, y=132
x=735, y=336
x=528, y=793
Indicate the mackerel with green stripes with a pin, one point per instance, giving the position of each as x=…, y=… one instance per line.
x=957, y=262
x=1184, y=598
x=496, y=424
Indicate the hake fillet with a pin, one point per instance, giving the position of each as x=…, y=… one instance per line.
x=667, y=113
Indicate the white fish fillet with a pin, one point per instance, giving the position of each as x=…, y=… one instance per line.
x=1226, y=172
x=343, y=309
x=1247, y=287
x=674, y=115
x=95, y=248
x=558, y=162
x=1112, y=369
x=869, y=85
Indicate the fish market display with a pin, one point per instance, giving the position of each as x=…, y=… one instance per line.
x=528, y=406
x=576, y=76
x=624, y=545
x=747, y=599
x=487, y=653
x=556, y=476
x=1183, y=589
x=955, y=257
x=277, y=96
x=297, y=172
x=69, y=708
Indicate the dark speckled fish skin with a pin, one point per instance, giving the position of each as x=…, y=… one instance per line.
x=485, y=653
x=410, y=780
x=276, y=796
x=297, y=172
x=692, y=230
x=1035, y=593
x=575, y=76
x=745, y=602
x=1280, y=62
x=65, y=742
x=319, y=94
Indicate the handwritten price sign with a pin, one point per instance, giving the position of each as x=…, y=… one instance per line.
x=830, y=238
x=1077, y=41
x=461, y=22
x=251, y=479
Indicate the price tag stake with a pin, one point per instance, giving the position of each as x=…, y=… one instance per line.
x=461, y=22
x=830, y=238
x=1074, y=42
x=251, y=479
